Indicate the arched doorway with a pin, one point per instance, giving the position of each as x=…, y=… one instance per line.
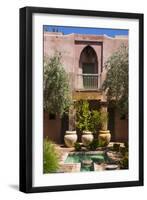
x=88, y=68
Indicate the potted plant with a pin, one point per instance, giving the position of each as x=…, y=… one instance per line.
x=104, y=134
x=83, y=122
x=95, y=122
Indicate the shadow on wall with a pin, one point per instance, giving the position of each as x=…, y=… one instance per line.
x=54, y=127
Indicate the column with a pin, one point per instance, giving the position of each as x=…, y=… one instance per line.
x=104, y=115
x=72, y=118
x=104, y=134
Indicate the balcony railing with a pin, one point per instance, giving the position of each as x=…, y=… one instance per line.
x=87, y=82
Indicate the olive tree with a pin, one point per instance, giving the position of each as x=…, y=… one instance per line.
x=56, y=86
x=116, y=82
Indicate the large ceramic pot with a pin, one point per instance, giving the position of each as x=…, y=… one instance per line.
x=70, y=138
x=87, y=137
x=104, y=137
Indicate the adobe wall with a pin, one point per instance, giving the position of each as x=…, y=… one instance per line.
x=65, y=44
x=52, y=128
x=121, y=128
x=71, y=46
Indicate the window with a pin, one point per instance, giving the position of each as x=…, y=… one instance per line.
x=52, y=116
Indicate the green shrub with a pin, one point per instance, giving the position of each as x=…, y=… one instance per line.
x=93, y=145
x=103, y=143
x=95, y=121
x=83, y=116
x=77, y=146
x=50, y=157
x=126, y=146
x=123, y=150
x=86, y=120
x=124, y=162
x=116, y=147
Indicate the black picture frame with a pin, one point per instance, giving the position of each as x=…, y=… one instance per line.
x=26, y=14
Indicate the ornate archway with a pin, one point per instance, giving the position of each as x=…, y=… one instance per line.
x=88, y=69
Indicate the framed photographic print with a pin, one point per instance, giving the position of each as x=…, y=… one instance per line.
x=81, y=99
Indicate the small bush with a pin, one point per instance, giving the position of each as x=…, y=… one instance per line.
x=126, y=146
x=103, y=143
x=124, y=164
x=77, y=146
x=50, y=157
x=95, y=121
x=116, y=147
x=83, y=122
x=93, y=145
x=123, y=150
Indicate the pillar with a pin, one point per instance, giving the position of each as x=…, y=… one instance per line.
x=103, y=110
x=72, y=118
x=104, y=134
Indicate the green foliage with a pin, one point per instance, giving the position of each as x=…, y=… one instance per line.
x=83, y=116
x=103, y=143
x=116, y=147
x=56, y=86
x=93, y=145
x=124, y=149
x=126, y=145
x=116, y=83
x=77, y=146
x=87, y=120
x=124, y=163
x=95, y=121
x=50, y=157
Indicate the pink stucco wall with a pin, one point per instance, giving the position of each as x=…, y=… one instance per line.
x=70, y=46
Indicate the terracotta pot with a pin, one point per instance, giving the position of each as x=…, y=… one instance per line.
x=87, y=137
x=70, y=138
x=104, y=137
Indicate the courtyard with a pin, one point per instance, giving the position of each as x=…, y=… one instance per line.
x=99, y=160
x=85, y=101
